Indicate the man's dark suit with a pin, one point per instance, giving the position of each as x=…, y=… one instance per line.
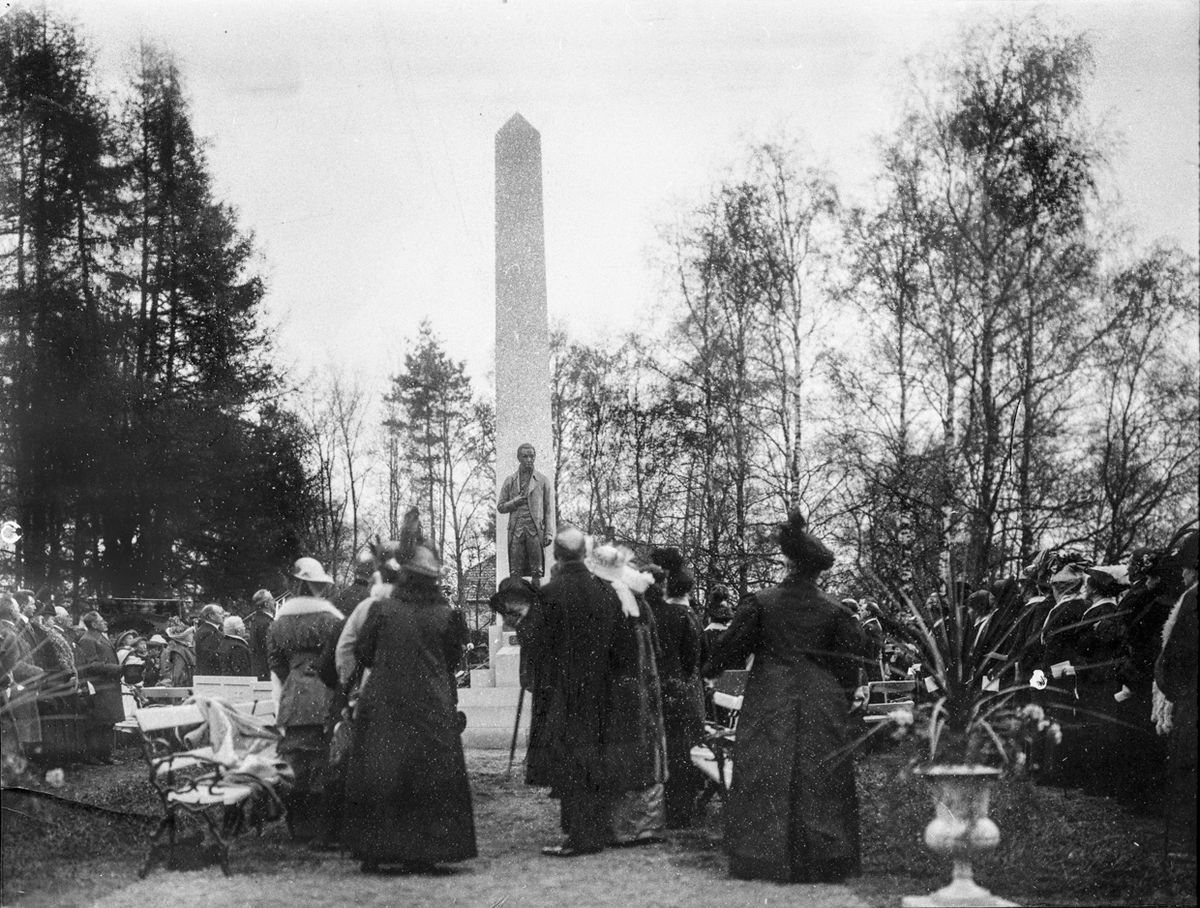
x=566, y=637
x=258, y=625
x=208, y=639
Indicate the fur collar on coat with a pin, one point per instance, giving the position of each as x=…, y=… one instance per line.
x=307, y=605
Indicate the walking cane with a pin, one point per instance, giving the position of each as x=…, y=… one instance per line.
x=512, y=749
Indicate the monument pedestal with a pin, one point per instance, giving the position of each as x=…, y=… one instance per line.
x=490, y=703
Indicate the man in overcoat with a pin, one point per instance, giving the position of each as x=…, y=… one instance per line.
x=568, y=634
x=19, y=675
x=98, y=666
x=528, y=498
x=233, y=655
x=258, y=624
x=209, y=635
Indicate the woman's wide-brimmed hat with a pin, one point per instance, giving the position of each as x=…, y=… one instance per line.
x=184, y=635
x=309, y=570
x=608, y=562
x=802, y=547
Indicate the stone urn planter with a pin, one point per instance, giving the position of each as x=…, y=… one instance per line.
x=961, y=830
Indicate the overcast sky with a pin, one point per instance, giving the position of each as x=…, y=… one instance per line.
x=356, y=138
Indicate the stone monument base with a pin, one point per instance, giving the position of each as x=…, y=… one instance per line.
x=491, y=712
x=490, y=703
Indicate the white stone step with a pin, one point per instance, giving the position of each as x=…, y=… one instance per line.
x=490, y=696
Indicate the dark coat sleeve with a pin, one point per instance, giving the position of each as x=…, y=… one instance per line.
x=368, y=637
x=738, y=642
x=692, y=651
x=851, y=644
x=327, y=661
x=181, y=668
x=538, y=635
x=239, y=660
x=14, y=659
x=91, y=664
x=1175, y=670
x=277, y=659
x=208, y=641
x=455, y=640
x=257, y=629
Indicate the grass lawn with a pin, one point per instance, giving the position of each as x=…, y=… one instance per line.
x=1058, y=848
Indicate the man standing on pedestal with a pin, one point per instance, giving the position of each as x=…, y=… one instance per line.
x=529, y=500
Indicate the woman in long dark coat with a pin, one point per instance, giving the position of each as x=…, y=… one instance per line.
x=304, y=631
x=681, y=648
x=793, y=807
x=634, y=748
x=406, y=786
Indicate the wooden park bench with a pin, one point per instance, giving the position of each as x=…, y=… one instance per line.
x=232, y=688
x=714, y=756
x=887, y=696
x=190, y=779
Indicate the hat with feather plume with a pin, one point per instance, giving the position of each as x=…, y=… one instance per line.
x=411, y=553
x=801, y=547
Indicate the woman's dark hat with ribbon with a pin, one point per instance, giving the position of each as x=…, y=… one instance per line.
x=667, y=557
x=513, y=592
x=801, y=547
x=1184, y=547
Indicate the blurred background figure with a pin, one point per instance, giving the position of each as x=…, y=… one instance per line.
x=209, y=635
x=19, y=674
x=133, y=672
x=718, y=615
x=681, y=653
x=179, y=658
x=360, y=587
x=155, y=649
x=55, y=654
x=98, y=667
x=1175, y=674
x=233, y=654
x=258, y=625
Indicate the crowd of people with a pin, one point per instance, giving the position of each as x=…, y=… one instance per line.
x=615, y=657
x=67, y=683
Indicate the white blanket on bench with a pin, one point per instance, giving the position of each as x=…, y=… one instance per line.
x=245, y=745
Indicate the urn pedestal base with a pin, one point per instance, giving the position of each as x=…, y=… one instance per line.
x=963, y=892
x=961, y=829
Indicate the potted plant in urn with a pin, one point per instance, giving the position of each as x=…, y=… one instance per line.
x=975, y=683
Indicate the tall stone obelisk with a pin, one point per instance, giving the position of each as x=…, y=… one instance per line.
x=522, y=331
x=522, y=403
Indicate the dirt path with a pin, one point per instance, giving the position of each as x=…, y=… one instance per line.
x=512, y=823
